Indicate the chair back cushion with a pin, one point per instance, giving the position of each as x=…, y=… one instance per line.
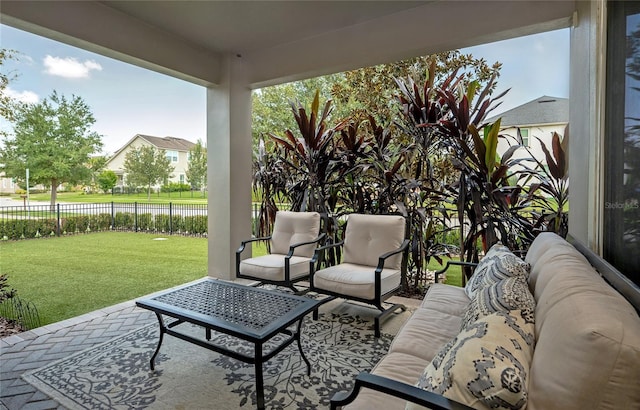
x=367, y=237
x=291, y=228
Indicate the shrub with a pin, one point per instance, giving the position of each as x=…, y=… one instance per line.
x=100, y=222
x=145, y=222
x=5, y=291
x=124, y=220
x=177, y=223
x=175, y=187
x=195, y=224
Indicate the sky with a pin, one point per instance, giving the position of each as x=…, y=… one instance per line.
x=127, y=100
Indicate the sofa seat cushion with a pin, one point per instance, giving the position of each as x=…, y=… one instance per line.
x=486, y=365
x=271, y=267
x=448, y=299
x=355, y=280
x=398, y=366
x=425, y=333
x=498, y=264
x=508, y=294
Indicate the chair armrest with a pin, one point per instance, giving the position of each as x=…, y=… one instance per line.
x=397, y=389
x=321, y=249
x=293, y=247
x=449, y=263
x=384, y=257
x=244, y=243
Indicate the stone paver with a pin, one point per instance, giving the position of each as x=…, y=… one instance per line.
x=39, y=347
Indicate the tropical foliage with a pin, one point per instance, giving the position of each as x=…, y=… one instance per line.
x=438, y=165
x=357, y=93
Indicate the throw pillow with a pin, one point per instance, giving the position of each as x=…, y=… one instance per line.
x=505, y=295
x=499, y=263
x=486, y=365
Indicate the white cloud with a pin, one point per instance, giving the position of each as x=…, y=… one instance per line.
x=70, y=67
x=24, y=96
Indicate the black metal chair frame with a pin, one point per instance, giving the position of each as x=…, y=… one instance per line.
x=318, y=258
x=397, y=389
x=287, y=282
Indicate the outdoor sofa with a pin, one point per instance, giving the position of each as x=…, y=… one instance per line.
x=572, y=342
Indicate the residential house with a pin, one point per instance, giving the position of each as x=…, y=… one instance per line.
x=176, y=149
x=537, y=119
x=7, y=185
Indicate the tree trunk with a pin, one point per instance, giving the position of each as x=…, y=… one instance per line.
x=54, y=194
x=149, y=193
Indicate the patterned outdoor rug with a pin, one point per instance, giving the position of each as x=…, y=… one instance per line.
x=116, y=374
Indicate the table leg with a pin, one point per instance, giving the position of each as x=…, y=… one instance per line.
x=162, y=331
x=259, y=376
x=298, y=333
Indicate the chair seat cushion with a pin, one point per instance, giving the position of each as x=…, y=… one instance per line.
x=271, y=267
x=355, y=280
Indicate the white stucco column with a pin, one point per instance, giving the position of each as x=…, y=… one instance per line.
x=229, y=167
x=586, y=122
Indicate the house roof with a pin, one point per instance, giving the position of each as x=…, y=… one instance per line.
x=165, y=143
x=168, y=143
x=543, y=110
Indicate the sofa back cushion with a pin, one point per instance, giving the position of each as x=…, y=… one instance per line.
x=367, y=237
x=291, y=228
x=588, y=336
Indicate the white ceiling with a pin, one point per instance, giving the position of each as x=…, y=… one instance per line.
x=240, y=27
x=278, y=41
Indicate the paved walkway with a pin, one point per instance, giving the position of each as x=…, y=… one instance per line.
x=38, y=347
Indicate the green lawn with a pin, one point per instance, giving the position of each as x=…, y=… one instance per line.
x=72, y=275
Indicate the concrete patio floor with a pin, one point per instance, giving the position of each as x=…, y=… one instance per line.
x=38, y=347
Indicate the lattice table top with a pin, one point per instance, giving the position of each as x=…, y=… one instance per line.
x=235, y=304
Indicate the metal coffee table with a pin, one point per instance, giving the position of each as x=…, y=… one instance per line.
x=248, y=313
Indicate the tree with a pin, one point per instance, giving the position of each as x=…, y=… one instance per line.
x=197, y=167
x=96, y=166
x=6, y=102
x=107, y=180
x=147, y=166
x=370, y=90
x=271, y=111
x=53, y=140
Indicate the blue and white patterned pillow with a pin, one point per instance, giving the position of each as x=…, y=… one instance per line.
x=498, y=264
x=486, y=365
x=508, y=294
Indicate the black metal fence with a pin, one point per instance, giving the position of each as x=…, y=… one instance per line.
x=36, y=221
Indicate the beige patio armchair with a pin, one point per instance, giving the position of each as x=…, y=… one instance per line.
x=293, y=241
x=373, y=263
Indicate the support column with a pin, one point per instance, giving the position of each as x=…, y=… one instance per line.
x=586, y=123
x=229, y=155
